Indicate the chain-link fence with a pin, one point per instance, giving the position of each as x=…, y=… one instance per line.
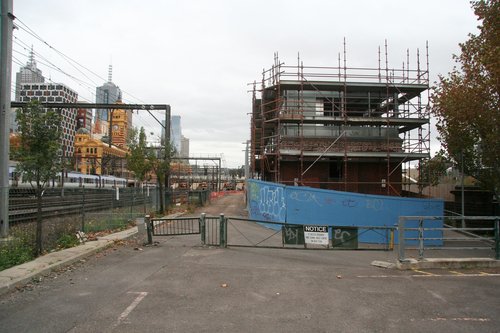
x=66, y=211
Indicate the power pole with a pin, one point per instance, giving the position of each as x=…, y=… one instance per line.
x=6, y=26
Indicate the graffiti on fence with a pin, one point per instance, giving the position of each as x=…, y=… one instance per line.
x=272, y=203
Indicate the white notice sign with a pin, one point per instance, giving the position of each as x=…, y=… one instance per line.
x=316, y=234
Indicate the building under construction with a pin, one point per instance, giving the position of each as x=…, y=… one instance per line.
x=341, y=128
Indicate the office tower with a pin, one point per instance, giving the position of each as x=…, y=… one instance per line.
x=27, y=74
x=55, y=93
x=108, y=93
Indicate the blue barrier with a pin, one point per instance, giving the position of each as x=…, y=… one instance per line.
x=304, y=205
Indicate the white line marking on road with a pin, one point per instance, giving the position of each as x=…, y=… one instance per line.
x=460, y=319
x=428, y=276
x=436, y=295
x=131, y=307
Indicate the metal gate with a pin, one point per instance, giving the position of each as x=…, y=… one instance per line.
x=208, y=227
x=252, y=233
x=265, y=234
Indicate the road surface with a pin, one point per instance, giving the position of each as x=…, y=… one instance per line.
x=179, y=286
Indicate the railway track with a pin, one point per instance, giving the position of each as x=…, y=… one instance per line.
x=57, y=203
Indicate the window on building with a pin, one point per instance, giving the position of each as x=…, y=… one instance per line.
x=335, y=169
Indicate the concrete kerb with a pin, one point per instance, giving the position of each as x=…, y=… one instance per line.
x=447, y=263
x=439, y=263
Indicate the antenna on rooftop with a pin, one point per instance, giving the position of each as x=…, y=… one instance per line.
x=110, y=73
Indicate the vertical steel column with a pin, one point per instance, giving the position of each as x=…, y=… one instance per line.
x=401, y=238
x=497, y=239
x=202, y=228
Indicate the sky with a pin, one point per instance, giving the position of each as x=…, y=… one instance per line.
x=200, y=56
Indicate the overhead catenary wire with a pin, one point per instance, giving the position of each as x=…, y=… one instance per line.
x=75, y=64
x=84, y=76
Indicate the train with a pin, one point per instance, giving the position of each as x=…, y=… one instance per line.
x=72, y=179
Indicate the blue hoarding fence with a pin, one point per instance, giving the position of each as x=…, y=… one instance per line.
x=304, y=205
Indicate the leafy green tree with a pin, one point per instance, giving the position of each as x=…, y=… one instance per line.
x=160, y=158
x=137, y=157
x=433, y=169
x=38, y=153
x=466, y=101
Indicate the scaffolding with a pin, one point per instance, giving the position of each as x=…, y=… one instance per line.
x=344, y=128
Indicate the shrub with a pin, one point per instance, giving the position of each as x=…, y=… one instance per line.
x=16, y=250
x=67, y=240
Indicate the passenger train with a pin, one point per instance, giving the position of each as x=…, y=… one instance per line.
x=71, y=179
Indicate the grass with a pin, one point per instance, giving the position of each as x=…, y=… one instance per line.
x=18, y=249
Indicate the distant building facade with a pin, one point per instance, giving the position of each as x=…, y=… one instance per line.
x=84, y=119
x=184, y=146
x=55, y=93
x=27, y=74
x=95, y=157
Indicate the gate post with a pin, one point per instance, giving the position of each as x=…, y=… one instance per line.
x=202, y=228
x=149, y=228
x=222, y=231
x=401, y=239
x=420, y=239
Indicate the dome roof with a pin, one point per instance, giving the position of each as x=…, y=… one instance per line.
x=82, y=130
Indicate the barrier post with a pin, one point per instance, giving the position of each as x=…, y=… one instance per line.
x=401, y=239
x=222, y=241
x=149, y=228
x=420, y=239
x=202, y=228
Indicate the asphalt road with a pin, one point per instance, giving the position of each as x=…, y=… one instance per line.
x=179, y=286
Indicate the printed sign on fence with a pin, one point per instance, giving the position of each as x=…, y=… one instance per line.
x=316, y=234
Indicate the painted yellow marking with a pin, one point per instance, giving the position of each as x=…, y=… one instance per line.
x=423, y=272
x=456, y=273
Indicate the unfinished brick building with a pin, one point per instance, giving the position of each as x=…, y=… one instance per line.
x=340, y=128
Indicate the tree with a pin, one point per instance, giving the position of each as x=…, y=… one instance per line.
x=38, y=153
x=137, y=157
x=466, y=102
x=160, y=158
x=433, y=169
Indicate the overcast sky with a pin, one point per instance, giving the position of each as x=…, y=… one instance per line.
x=199, y=56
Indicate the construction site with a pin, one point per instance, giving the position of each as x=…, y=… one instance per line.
x=342, y=128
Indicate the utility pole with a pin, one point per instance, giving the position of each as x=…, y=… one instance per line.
x=6, y=26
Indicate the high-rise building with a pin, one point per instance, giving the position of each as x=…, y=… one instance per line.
x=184, y=146
x=108, y=93
x=176, y=133
x=27, y=74
x=55, y=93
